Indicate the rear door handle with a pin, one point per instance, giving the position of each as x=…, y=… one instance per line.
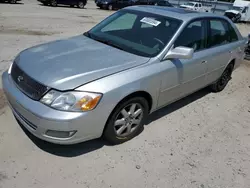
x=204, y=62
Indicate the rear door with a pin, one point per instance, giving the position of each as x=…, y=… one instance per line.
x=222, y=47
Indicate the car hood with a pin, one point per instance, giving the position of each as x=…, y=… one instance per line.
x=67, y=64
x=232, y=11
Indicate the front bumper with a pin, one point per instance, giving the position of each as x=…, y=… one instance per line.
x=38, y=118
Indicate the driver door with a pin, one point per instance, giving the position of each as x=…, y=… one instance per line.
x=186, y=76
x=244, y=13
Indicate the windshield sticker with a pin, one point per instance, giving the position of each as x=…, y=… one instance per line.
x=150, y=21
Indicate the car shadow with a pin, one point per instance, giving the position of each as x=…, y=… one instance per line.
x=177, y=105
x=92, y=145
x=61, y=6
x=65, y=150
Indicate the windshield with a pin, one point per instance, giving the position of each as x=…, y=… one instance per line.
x=136, y=32
x=237, y=8
x=189, y=4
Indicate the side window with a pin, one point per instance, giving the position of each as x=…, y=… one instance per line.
x=220, y=33
x=123, y=22
x=196, y=5
x=232, y=33
x=193, y=36
x=245, y=10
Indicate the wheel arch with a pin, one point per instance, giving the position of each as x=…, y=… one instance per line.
x=232, y=61
x=140, y=93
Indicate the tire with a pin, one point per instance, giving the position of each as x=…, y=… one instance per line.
x=12, y=1
x=80, y=4
x=110, y=7
x=233, y=19
x=45, y=3
x=128, y=123
x=221, y=83
x=72, y=6
x=53, y=3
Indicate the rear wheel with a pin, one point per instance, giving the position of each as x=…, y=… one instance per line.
x=53, y=3
x=126, y=120
x=221, y=83
x=45, y=3
x=80, y=4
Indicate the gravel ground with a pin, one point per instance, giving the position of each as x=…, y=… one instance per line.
x=201, y=141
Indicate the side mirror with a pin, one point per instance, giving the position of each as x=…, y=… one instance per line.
x=180, y=52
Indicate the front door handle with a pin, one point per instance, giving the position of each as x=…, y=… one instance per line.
x=204, y=62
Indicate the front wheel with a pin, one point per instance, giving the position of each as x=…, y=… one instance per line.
x=80, y=4
x=126, y=120
x=110, y=7
x=221, y=83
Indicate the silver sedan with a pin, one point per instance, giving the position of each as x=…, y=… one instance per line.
x=106, y=81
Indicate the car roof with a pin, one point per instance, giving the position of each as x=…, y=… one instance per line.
x=177, y=13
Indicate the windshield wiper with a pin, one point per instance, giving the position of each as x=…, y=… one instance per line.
x=108, y=42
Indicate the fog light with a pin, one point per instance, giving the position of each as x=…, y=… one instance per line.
x=60, y=134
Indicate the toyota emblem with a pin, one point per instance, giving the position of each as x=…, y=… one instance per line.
x=20, y=78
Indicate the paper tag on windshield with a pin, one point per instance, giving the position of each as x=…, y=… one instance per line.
x=150, y=21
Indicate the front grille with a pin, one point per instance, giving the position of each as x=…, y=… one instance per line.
x=26, y=84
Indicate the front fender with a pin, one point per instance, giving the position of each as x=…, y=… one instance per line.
x=118, y=86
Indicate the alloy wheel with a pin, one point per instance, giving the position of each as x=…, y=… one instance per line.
x=80, y=4
x=128, y=119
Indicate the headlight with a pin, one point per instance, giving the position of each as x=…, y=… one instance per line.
x=75, y=101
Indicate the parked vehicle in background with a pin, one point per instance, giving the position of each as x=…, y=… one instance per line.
x=148, y=2
x=247, y=49
x=118, y=4
x=71, y=3
x=164, y=3
x=240, y=11
x=10, y=1
x=115, y=4
x=196, y=6
x=71, y=90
